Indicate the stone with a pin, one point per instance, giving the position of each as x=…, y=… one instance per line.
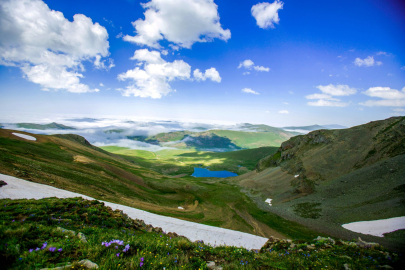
x=82, y=237
x=346, y=266
x=210, y=265
x=345, y=257
x=385, y=267
x=157, y=230
x=149, y=228
x=2, y=183
x=364, y=244
x=88, y=264
x=65, y=231
x=292, y=245
x=310, y=247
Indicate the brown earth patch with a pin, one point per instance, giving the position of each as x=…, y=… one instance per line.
x=82, y=159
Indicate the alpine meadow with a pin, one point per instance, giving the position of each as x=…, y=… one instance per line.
x=202, y=134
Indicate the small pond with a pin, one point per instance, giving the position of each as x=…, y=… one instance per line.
x=200, y=172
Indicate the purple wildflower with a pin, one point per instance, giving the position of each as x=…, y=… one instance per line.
x=142, y=259
x=141, y=264
x=44, y=245
x=52, y=249
x=60, y=250
x=117, y=254
x=31, y=250
x=37, y=249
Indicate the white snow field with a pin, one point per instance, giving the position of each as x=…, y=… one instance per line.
x=24, y=136
x=376, y=227
x=21, y=189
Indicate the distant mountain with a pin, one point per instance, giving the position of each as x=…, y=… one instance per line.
x=314, y=127
x=336, y=176
x=52, y=125
x=85, y=119
x=222, y=140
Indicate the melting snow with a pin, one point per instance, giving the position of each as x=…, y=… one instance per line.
x=296, y=175
x=376, y=227
x=180, y=207
x=268, y=201
x=27, y=137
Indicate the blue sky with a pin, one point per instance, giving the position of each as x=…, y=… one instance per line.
x=325, y=62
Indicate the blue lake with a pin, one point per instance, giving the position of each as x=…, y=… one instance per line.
x=200, y=172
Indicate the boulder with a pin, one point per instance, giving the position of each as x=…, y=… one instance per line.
x=2, y=183
x=82, y=237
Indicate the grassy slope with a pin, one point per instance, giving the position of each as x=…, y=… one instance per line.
x=182, y=161
x=25, y=225
x=344, y=176
x=241, y=139
x=71, y=164
x=52, y=125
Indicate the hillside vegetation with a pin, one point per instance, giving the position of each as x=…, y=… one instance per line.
x=330, y=177
x=52, y=125
x=71, y=163
x=75, y=233
x=227, y=140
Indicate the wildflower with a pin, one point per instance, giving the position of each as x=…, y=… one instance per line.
x=44, y=245
x=117, y=254
x=31, y=250
x=37, y=249
x=52, y=249
x=60, y=250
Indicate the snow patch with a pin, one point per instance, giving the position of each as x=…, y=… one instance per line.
x=268, y=201
x=22, y=189
x=296, y=175
x=376, y=227
x=180, y=208
x=27, y=137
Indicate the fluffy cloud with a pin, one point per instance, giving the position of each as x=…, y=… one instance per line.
x=47, y=47
x=284, y=112
x=389, y=97
x=327, y=103
x=152, y=77
x=266, y=14
x=211, y=74
x=326, y=99
x=368, y=62
x=248, y=64
x=182, y=22
x=249, y=91
x=337, y=90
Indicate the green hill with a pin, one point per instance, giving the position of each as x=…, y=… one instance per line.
x=222, y=139
x=330, y=177
x=71, y=163
x=52, y=125
x=32, y=240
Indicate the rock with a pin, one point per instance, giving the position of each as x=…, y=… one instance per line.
x=300, y=250
x=172, y=234
x=210, y=265
x=385, y=267
x=345, y=257
x=88, y=264
x=292, y=245
x=364, y=244
x=346, y=266
x=149, y=228
x=72, y=233
x=310, y=247
x=82, y=237
x=158, y=230
x=2, y=183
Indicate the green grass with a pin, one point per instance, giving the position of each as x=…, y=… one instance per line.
x=183, y=161
x=26, y=225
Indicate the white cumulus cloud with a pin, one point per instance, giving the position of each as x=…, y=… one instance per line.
x=327, y=103
x=337, y=90
x=284, y=112
x=182, y=22
x=48, y=48
x=326, y=99
x=249, y=91
x=266, y=14
x=152, y=77
x=249, y=64
x=367, y=62
x=211, y=74
x=389, y=97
